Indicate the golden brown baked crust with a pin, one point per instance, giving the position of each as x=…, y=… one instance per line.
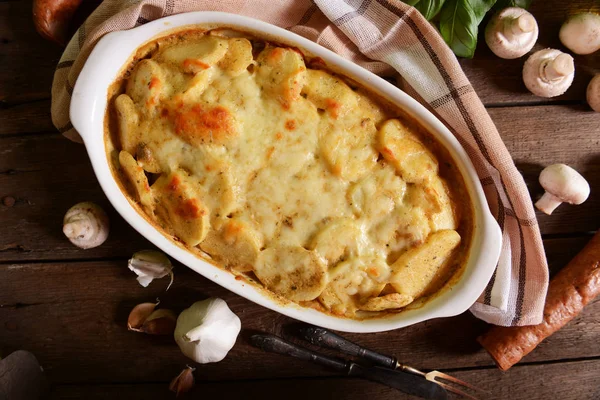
x=286, y=173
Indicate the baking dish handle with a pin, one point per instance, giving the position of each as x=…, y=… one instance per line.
x=89, y=97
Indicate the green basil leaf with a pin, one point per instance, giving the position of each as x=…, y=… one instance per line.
x=501, y=4
x=413, y=2
x=429, y=8
x=459, y=21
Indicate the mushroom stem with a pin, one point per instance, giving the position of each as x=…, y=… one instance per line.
x=557, y=68
x=548, y=203
x=514, y=27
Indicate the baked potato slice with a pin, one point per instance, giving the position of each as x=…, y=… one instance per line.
x=292, y=272
x=403, y=149
x=196, y=56
x=180, y=205
x=404, y=227
x=352, y=282
x=340, y=239
x=418, y=267
x=236, y=244
x=349, y=150
x=387, y=302
x=282, y=74
x=136, y=177
x=128, y=120
x=433, y=197
x=329, y=93
x=377, y=194
x=238, y=57
x=146, y=84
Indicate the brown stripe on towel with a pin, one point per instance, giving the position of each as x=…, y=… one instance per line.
x=351, y=15
x=487, y=300
x=488, y=180
x=65, y=64
x=451, y=96
x=522, y=221
x=141, y=21
x=65, y=128
x=308, y=14
x=169, y=6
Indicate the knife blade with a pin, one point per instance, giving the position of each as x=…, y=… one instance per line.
x=402, y=381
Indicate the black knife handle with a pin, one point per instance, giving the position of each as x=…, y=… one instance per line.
x=407, y=383
x=275, y=344
x=324, y=338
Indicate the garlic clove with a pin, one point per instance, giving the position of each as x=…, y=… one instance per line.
x=86, y=225
x=207, y=330
x=160, y=322
x=184, y=382
x=139, y=315
x=149, y=265
x=146, y=318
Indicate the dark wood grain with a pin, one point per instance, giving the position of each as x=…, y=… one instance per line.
x=72, y=315
x=499, y=81
x=572, y=380
x=539, y=136
x=45, y=175
x=30, y=117
x=26, y=60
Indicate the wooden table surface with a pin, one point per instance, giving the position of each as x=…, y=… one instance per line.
x=69, y=306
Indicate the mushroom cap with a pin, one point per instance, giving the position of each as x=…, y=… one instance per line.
x=580, y=33
x=509, y=45
x=86, y=225
x=535, y=80
x=593, y=93
x=564, y=182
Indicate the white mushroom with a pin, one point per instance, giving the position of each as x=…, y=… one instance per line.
x=581, y=33
x=511, y=33
x=86, y=225
x=593, y=93
x=548, y=72
x=562, y=185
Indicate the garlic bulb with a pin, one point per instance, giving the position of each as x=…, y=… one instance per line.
x=86, y=225
x=207, y=330
x=149, y=265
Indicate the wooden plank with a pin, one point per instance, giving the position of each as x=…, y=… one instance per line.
x=498, y=81
x=46, y=174
x=27, y=61
x=539, y=136
x=28, y=117
x=72, y=316
x=573, y=380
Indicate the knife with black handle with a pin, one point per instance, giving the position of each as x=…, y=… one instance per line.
x=407, y=383
x=323, y=338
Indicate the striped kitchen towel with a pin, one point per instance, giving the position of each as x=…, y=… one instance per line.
x=385, y=37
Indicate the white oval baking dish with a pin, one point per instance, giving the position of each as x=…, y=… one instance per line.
x=87, y=112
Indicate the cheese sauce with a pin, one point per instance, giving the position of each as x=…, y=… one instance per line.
x=286, y=174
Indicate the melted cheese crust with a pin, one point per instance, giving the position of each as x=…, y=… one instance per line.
x=284, y=173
